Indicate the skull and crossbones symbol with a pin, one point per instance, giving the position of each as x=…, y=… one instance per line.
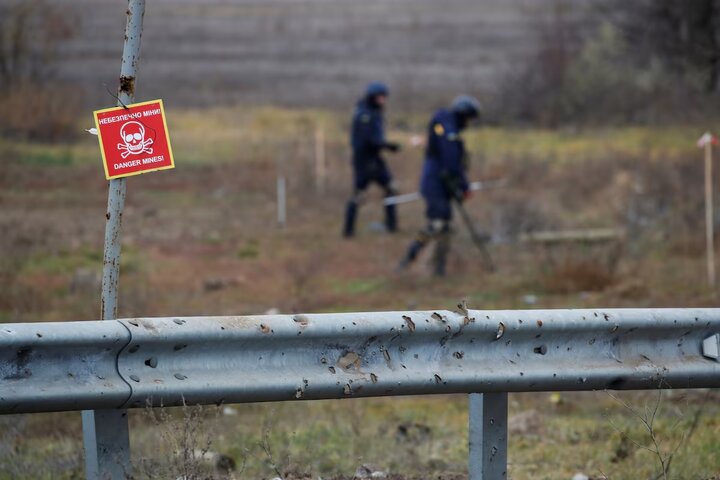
x=132, y=134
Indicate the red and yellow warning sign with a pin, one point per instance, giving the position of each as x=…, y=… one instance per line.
x=134, y=140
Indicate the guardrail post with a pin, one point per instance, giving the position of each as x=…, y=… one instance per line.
x=106, y=435
x=107, y=444
x=488, y=436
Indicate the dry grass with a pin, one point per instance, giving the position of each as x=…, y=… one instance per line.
x=212, y=222
x=579, y=276
x=410, y=438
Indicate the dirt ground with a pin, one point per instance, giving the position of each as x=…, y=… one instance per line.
x=203, y=239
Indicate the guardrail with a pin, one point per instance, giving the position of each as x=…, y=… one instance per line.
x=202, y=360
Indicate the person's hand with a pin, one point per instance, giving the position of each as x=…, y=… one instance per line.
x=393, y=147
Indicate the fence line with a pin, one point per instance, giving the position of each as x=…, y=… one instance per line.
x=117, y=364
x=129, y=363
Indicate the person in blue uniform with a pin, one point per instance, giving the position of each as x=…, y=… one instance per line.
x=368, y=142
x=443, y=179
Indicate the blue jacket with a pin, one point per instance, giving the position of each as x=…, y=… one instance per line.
x=444, y=157
x=367, y=136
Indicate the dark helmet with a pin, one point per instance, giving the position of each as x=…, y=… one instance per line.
x=376, y=88
x=466, y=107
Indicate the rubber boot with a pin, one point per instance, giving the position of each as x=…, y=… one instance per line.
x=350, y=215
x=391, y=218
x=411, y=254
x=442, y=249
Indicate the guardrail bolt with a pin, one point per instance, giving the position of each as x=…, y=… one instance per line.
x=711, y=347
x=541, y=350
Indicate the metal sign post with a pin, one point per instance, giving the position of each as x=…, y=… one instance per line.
x=105, y=432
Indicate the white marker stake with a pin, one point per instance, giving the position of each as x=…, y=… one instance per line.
x=707, y=141
x=281, y=201
x=320, y=166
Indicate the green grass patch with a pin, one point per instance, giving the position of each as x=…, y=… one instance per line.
x=63, y=262
x=250, y=249
x=51, y=155
x=361, y=286
x=66, y=262
x=232, y=134
x=577, y=145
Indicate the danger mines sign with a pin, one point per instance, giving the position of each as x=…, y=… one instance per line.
x=134, y=140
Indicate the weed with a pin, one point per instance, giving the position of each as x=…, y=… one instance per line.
x=185, y=447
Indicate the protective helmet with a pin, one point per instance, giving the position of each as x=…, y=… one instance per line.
x=466, y=106
x=376, y=88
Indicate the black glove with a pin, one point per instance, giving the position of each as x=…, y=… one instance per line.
x=392, y=146
x=452, y=186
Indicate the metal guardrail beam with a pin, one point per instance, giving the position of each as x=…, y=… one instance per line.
x=168, y=361
x=47, y=367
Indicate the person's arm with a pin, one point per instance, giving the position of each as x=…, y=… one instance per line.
x=375, y=135
x=450, y=153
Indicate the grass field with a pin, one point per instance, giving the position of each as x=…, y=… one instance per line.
x=203, y=239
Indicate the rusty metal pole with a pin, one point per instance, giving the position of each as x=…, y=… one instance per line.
x=106, y=435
